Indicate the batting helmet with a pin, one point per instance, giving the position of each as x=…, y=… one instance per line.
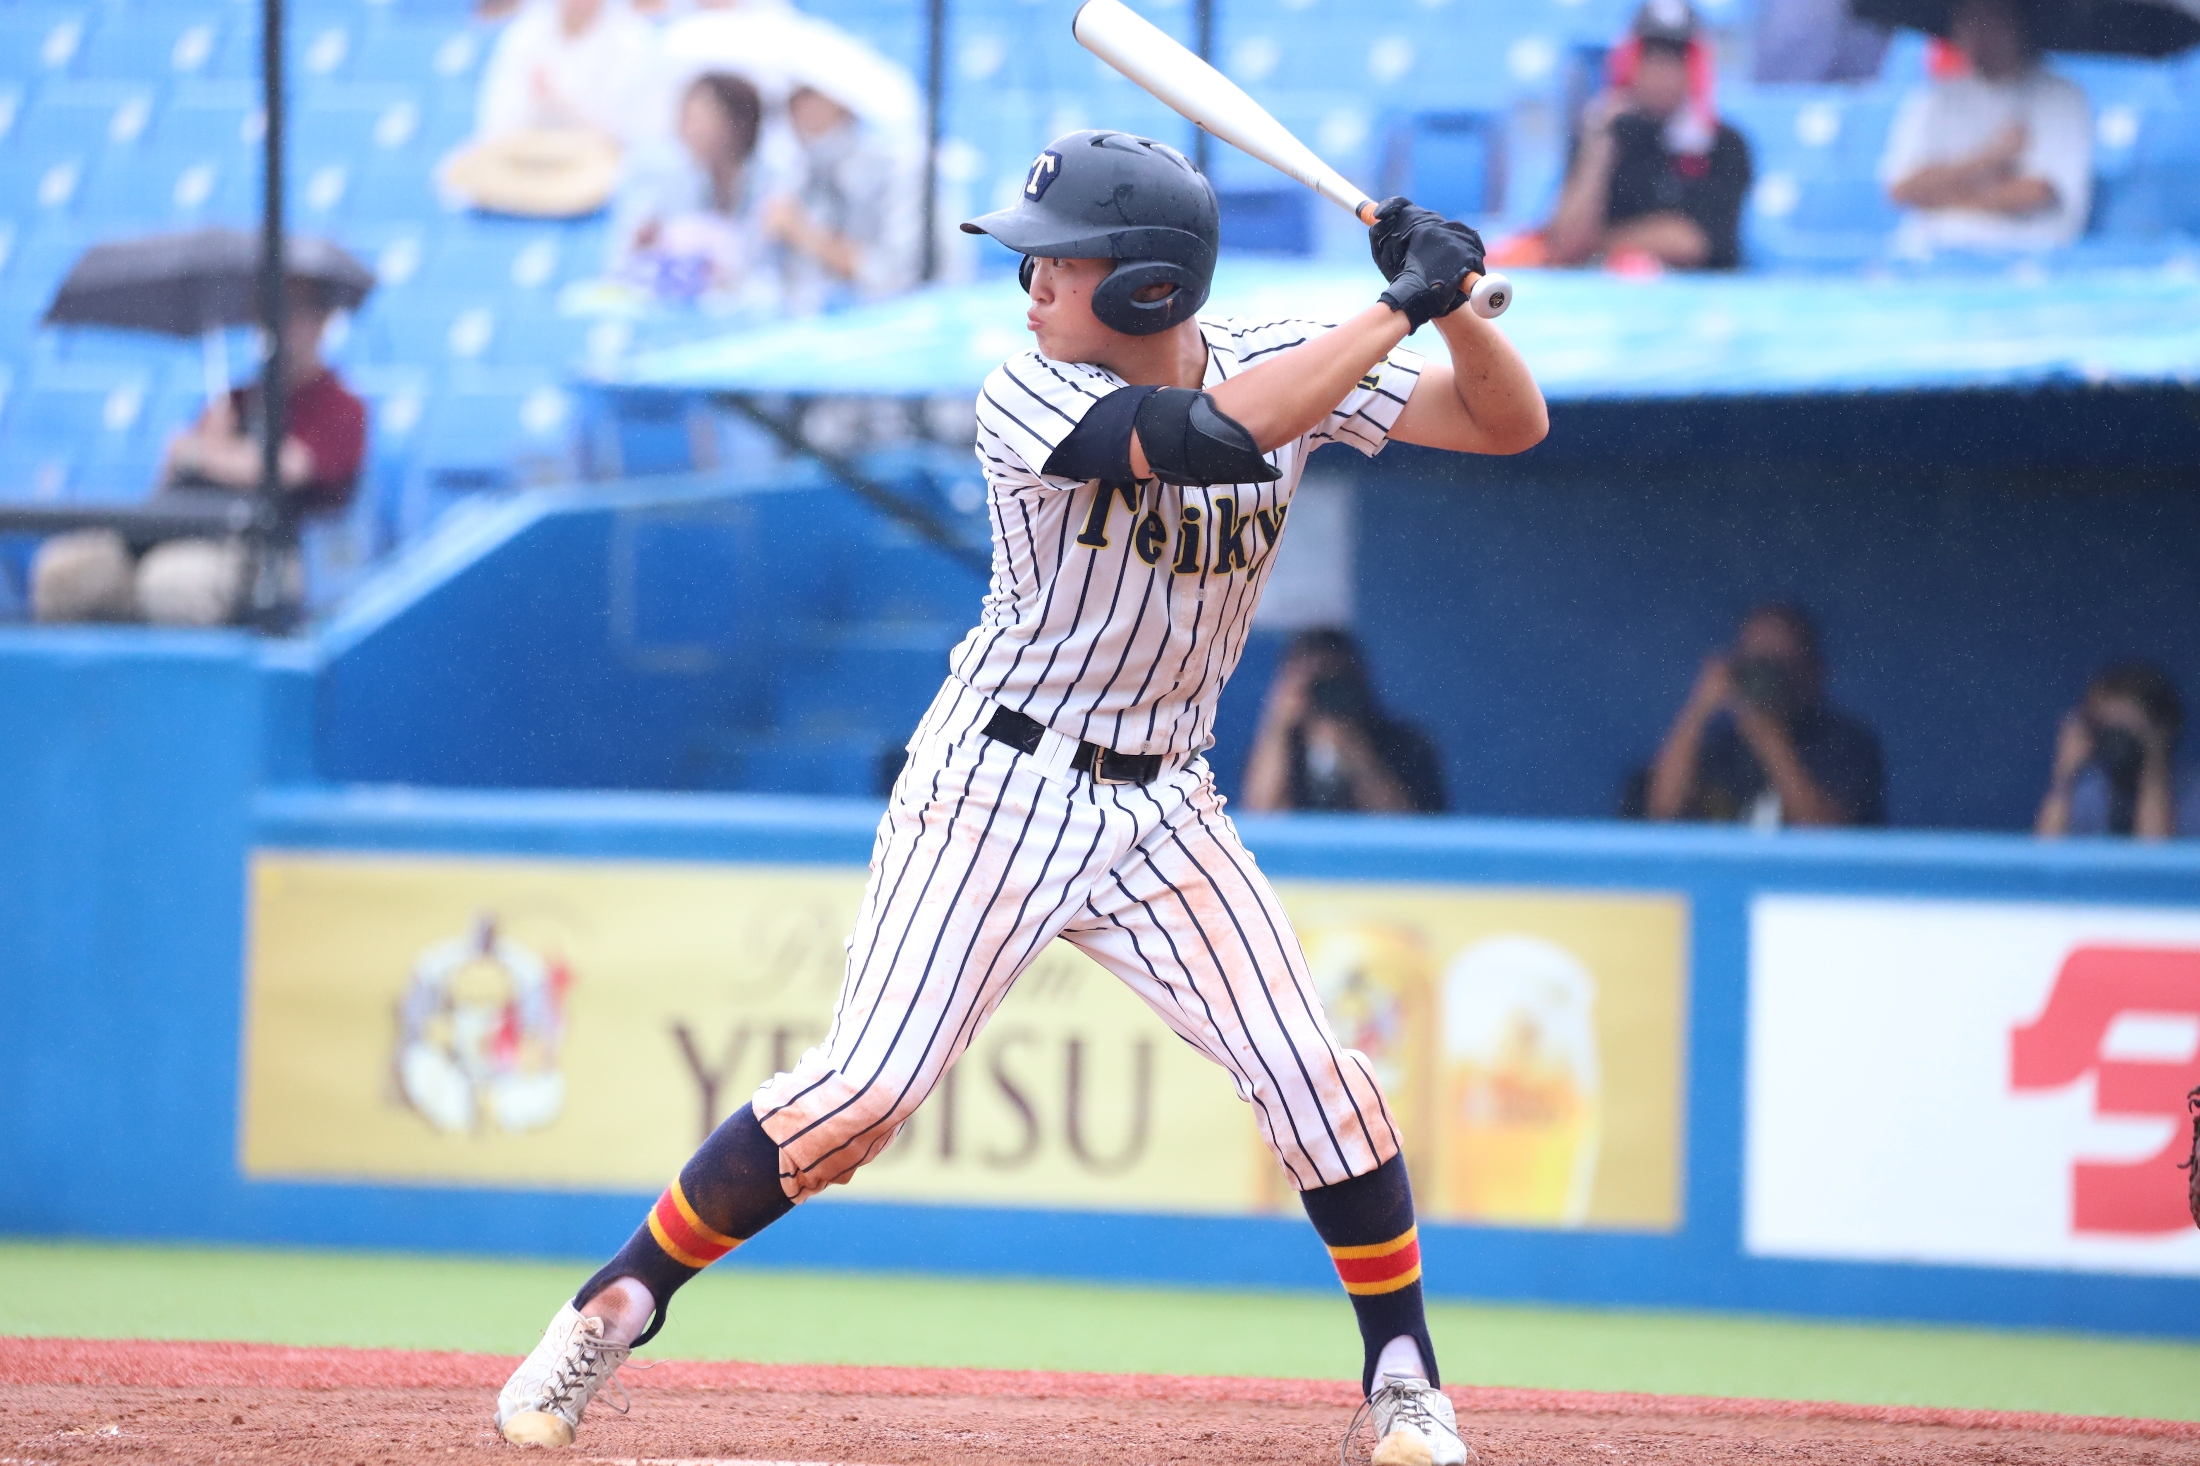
x=1117, y=196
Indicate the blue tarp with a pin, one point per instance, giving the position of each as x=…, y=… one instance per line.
x=1589, y=336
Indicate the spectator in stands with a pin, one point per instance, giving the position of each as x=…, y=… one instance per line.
x=1656, y=180
x=1815, y=41
x=689, y=220
x=1757, y=742
x=855, y=224
x=1998, y=159
x=2116, y=770
x=571, y=86
x=1325, y=742
x=571, y=64
x=93, y=575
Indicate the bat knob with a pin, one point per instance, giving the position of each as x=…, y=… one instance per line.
x=1491, y=297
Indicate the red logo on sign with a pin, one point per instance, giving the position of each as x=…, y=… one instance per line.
x=2097, y=986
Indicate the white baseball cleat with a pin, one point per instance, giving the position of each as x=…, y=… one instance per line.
x=1414, y=1425
x=541, y=1404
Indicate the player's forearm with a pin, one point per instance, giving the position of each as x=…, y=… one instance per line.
x=1288, y=395
x=1493, y=405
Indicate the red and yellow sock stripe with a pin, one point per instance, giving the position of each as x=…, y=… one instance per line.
x=686, y=1238
x=1380, y=1267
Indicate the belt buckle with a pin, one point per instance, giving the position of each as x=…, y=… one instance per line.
x=1100, y=769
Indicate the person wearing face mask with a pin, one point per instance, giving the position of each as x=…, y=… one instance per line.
x=2000, y=158
x=2116, y=770
x=1758, y=743
x=854, y=226
x=1656, y=180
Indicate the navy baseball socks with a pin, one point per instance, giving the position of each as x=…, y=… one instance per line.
x=1367, y=1224
x=729, y=1191
x=726, y=1193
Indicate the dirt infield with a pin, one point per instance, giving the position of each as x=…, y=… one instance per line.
x=68, y=1401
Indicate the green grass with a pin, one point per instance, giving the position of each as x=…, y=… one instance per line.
x=395, y=1301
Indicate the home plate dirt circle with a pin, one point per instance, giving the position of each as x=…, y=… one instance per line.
x=66, y=1401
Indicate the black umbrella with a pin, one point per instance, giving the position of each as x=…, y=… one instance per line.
x=2105, y=27
x=190, y=284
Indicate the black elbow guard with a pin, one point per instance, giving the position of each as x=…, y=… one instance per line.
x=1099, y=447
x=1189, y=440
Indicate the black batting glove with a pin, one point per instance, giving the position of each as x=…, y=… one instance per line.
x=1395, y=218
x=1434, y=258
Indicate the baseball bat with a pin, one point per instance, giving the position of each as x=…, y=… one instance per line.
x=1205, y=97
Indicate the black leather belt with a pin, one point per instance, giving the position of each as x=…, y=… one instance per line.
x=1104, y=764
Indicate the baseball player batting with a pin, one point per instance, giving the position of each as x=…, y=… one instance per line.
x=1140, y=465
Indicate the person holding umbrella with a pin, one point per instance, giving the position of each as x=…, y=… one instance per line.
x=1997, y=159
x=100, y=574
x=855, y=225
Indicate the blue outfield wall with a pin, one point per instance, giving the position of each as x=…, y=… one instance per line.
x=134, y=795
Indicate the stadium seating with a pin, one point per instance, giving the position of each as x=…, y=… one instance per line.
x=125, y=116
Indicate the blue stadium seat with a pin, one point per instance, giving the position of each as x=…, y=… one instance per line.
x=358, y=119
x=395, y=188
x=38, y=260
x=74, y=116
x=2152, y=193
x=163, y=41
x=42, y=40
x=38, y=189
x=430, y=330
x=500, y=258
x=170, y=189
x=1267, y=220
x=531, y=335
x=1452, y=162
x=318, y=50
x=34, y=472
x=395, y=249
x=423, y=52
x=98, y=430
x=492, y=426
x=212, y=116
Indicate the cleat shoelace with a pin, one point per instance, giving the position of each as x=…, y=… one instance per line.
x=1412, y=1410
x=576, y=1376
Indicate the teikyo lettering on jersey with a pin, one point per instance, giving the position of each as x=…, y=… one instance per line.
x=1117, y=611
x=1228, y=539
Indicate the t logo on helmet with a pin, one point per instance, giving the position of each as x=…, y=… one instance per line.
x=1044, y=170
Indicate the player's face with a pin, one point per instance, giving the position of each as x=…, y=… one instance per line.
x=1061, y=309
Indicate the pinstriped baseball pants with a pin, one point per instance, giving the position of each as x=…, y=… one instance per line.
x=985, y=855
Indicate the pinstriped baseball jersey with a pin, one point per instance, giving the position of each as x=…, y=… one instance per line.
x=1117, y=612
